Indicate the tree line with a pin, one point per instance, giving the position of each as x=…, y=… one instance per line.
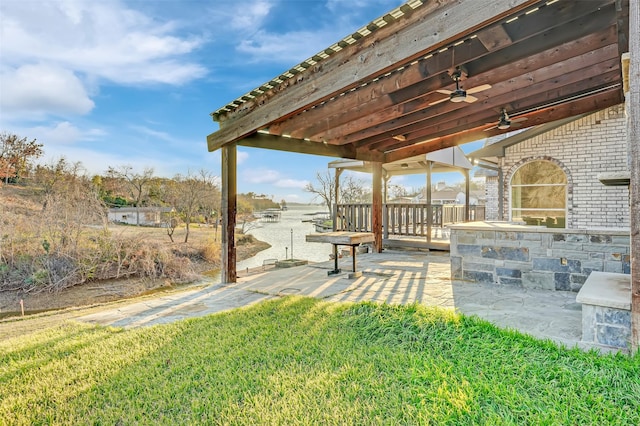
x=66, y=240
x=194, y=197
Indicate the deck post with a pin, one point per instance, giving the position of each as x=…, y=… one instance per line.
x=428, y=200
x=385, y=201
x=376, y=208
x=633, y=139
x=336, y=199
x=229, y=198
x=467, y=190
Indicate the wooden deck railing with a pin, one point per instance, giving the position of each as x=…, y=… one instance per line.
x=404, y=219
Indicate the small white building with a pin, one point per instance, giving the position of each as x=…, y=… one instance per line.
x=149, y=216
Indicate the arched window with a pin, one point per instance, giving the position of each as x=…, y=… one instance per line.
x=539, y=194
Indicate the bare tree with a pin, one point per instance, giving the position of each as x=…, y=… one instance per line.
x=136, y=183
x=15, y=155
x=169, y=192
x=351, y=190
x=70, y=204
x=197, y=195
x=57, y=178
x=246, y=220
x=397, y=191
x=323, y=189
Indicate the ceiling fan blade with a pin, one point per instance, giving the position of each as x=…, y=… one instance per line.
x=470, y=99
x=518, y=120
x=491, y=128
x=444, y=91
x=479, y=88
x=439, y=101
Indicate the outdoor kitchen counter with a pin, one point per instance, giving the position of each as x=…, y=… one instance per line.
x=521, y=227
x=528, y=256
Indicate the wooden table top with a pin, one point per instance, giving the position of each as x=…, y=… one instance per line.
x=341, y=238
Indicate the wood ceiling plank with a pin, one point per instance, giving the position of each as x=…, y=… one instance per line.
x=416, y=81
x=402, y=40
x=553, y=54
x=512, y=79
x=593, y=103
x=489, y=116
x=543, y=92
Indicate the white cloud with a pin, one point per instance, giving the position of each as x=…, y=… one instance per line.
x=104, y=39
x=250, y=15
x=93, y=161
x=40, y=88
x=55, y=52
x=153, y=133
x=272, y=177
x=289, y=48
x=294, y=198
x=261, y=176
x=61, y=134
x=339, y=5
x=291, y=183
x=241, y=157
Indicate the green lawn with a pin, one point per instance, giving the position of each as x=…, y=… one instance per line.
x=304, y=361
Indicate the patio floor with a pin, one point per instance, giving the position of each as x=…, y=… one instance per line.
x=394, y=277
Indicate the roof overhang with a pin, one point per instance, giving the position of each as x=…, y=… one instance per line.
x=445, y=160
x=378, y=94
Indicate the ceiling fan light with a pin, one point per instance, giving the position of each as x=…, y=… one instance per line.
x=458, y=96
x=504, y=124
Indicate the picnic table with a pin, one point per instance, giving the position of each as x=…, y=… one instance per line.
x=342, y=238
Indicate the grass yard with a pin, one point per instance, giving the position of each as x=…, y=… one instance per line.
x=303, y=361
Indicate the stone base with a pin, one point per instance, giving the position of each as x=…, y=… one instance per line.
x=606, y=310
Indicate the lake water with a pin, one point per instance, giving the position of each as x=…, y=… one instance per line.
x=281, y=234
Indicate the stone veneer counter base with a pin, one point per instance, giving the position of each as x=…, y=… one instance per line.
x=535, y=256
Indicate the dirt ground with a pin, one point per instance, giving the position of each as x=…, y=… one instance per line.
x=108, y=291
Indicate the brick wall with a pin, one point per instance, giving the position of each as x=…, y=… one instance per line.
x=492, y=194
x=583, y=149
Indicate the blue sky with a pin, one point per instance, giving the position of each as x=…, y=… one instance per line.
x=112, y=83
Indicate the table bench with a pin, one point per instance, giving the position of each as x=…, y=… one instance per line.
x=606, y=309
x=342, y=238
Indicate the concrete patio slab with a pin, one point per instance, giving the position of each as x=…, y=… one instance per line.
x=393, y=277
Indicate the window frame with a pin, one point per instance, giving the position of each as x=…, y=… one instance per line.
x=565, y=184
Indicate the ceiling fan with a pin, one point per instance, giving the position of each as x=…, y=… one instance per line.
x=460, y=95
x=505, y=122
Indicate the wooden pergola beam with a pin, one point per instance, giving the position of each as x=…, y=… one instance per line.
x=279, y=143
